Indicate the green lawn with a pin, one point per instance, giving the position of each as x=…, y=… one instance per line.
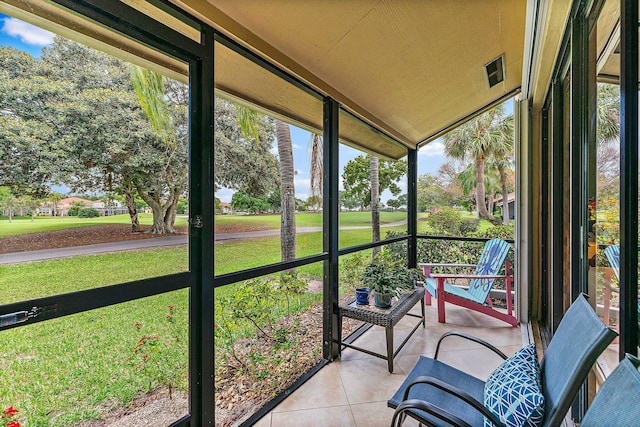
x=24, y=225
x=309, y=219
x=66, y=370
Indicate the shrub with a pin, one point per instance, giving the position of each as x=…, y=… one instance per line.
x=469, y=225
x=446, y=221
x=88, y=213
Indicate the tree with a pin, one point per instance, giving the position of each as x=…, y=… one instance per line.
x=29, y=124
x=31, y=203
x=242, y=161
x=53, y=198
x=317, y=167
x=608, y=138
x=9, y=203
x=169, y=123
x=431, y=194
x=475, y=140
x=241, y=201
x=374, y=179
x=502, y=160
x=356, y=178
x=314, y=203
x=287, y=193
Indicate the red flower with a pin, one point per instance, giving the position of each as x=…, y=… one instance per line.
x=13, y=424
x=146, y=356
x=170, y=307
x=10, y=411
x=270, y=366
x=138, y=325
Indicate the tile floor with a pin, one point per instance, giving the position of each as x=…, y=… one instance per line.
x=353, y=390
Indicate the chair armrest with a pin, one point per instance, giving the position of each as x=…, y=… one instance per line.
x=470, y=338
x=455, y=392
x=469, y=276
x=429, y=264
x=427, y=407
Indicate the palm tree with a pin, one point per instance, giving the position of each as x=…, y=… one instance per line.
x=316, y=166
x=502, y=160
x=287, y=193
x=375, y=201
x=475, y=140
x=248, y=121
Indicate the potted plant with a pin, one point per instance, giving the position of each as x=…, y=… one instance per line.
x=387, y=278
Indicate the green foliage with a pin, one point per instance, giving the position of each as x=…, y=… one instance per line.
x=244, y=162
x=446, y=221
x=241, y=201
x=88, y=213
x=75, y=208
x=469, y=225
x=388, y=276
x=290, y=285
x=357, y=183
x=351, y=269
x=154, y=349
x=498, y=232
x=256, y=307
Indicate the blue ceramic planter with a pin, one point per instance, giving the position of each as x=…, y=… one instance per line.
x=362, y=296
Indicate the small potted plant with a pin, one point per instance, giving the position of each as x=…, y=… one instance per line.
x=387, y=278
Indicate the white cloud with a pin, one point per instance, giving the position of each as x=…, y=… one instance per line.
x=435, y=148
x=303, y=187
x=224, y=194
x=27, y=33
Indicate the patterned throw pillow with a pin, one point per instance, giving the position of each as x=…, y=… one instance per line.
x=513, y=391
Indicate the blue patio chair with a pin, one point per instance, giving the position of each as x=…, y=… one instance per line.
x=616, y=403
x=437, y=394
x=476, y=298
x=612, y=252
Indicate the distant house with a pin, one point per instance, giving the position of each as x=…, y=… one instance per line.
x=225, y=208
x=64, y=205
x=511, y=203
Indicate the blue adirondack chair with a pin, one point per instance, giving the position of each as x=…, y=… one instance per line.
x=612, y=252
x=476, y=298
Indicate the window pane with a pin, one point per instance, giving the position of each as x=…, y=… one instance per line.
x=358, y=214
x=604, y=211
x=94, y=169
x=268, y=333
x=104, y=364
x=268, y=168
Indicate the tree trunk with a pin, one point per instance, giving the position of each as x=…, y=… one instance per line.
x=481, y=203
x=375, y=201
x=159, y=211
x=287, y=193
x=170, y=214
x=133, y=211
x=505, y=198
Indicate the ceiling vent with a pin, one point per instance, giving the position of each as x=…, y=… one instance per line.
x=495, y=71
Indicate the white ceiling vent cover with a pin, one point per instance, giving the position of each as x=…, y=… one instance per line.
x=495, y=71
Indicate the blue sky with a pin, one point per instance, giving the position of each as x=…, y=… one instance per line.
x=23, y=36
x=31, y=39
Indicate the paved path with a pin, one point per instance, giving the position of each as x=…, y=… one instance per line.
x=183, y=239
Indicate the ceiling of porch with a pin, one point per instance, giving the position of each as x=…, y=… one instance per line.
x=412, y=68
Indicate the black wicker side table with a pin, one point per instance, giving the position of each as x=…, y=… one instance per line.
x=385, y=317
